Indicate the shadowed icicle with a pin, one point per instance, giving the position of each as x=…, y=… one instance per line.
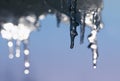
x=73, y=22
x=58, y=17
x=82, y=27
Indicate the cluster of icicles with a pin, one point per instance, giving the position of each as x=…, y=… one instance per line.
x=90, y=18
x=20, y=33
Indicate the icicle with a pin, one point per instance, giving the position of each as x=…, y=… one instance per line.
x=93, y=46
x=26, y=57
x=10, y=45
x=73, y=22
x=97, y=25
x=18, y=42
x=82, y=27
x=58, y=17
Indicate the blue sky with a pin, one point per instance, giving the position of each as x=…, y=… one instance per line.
x=52, y=59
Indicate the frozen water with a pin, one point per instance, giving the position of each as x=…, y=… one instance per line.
x=17, y=25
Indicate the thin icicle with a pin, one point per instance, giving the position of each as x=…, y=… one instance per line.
x=82, y=27
x=11, y=51
x=58, y=17
x=26, y=57
x=73, y=22
x=18, y=43
x=96, y=26
x=93, y=46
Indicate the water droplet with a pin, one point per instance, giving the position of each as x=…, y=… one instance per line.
x=26, y=52
x=11, y=56
x=94, y=67
x=26, y=71
x=27, y=64
x=17, y=55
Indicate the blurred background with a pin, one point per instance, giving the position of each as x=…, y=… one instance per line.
x=52, y=59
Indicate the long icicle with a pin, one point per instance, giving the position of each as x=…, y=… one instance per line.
x=82, y=27
x=97, y=25
x=73, y=22
x=26, y=57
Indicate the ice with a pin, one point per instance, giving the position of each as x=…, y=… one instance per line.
x=17, y=25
